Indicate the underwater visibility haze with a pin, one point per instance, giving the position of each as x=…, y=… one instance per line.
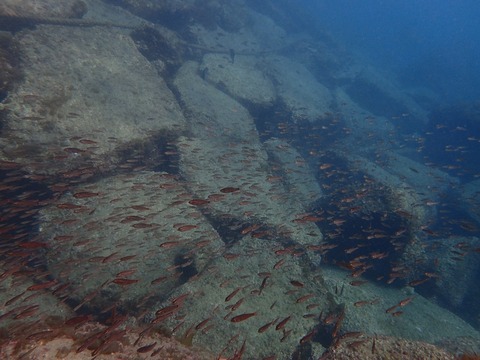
x=239, y=179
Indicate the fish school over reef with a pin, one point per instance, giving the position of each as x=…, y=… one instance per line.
x=225, y=181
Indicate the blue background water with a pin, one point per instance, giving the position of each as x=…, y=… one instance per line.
x=433, y=43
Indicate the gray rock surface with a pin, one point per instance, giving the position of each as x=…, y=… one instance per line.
x=241, y=78
x=296, y=174
x=136, y=227
x=297, y=87
x=43, y=8
x=83, y=83
x=226, y=152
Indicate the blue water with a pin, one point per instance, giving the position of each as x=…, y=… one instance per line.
x=432, y=43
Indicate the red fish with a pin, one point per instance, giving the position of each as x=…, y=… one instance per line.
x=242, y=317
x=186, y=227
x=146, y=348
x=266, y=326
x=124, y=281
x=279, y=264
x=33, y=245
x=140, y=208
x=87, y=142
x=169, y=244
x=282, y=323
x=232, y=294
x=304, y=298
x=406, y=301
x=229, y=189
x=85, y=194
x=42, y=286
x=131, y=218
x=296, y=283
x=198, y=202
x=69, y=206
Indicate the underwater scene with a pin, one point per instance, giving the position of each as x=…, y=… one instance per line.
x=239, y=179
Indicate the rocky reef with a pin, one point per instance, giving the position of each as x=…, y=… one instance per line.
x=194, y=179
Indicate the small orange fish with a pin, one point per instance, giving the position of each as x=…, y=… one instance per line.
x=308, y=337
x=279, y=264
x=146, y=348
x=232, y=294
x=77, y=320
x=186, y=227
x=42, y=286
x=266, y=326
x=87, y=142
x=131, y=218
x=198, y=202
x=242, y=317
x=85, y=194
x=202, y=323
x=282, y=323
x=124, y=281
x=406, y=301
x=33, y=245
x=357, y=282
x=361, y=303
x=140, y=208
x=229, y=189
x=304, y=298
x=296, y=283
x=169, y=244
x=68, y=206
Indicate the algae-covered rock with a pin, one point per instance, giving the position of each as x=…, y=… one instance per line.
x=239, y=76
x=43, y=8
x=86, y=93
x=302, y=94
x=126, y=239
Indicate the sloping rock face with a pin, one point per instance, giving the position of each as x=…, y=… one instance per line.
x=43, y=8
x=192, y=181
x=295, y=172
x=305, y=97
x=470, y=194
x=240, y=77
x=457, y=259
x=86, y=92
x=249, y=291
x=254, y=293
x=127, y=239
x=415, y=188
x=225, y=153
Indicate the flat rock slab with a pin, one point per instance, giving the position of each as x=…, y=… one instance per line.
x=212, y=113
x=295, y=172
x=42, y=8
x=125, y=239
x=260, y=292
x=254, y=293
x=86, y=93
x=418, y=319
x=225, y=152
x=297, y=87
x=240, y=77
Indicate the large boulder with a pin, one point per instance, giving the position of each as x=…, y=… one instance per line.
x=126, y=239
x=43, y=8
x=302, y=94
x=85, y=94
x=240, y=77
x=225, y=155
